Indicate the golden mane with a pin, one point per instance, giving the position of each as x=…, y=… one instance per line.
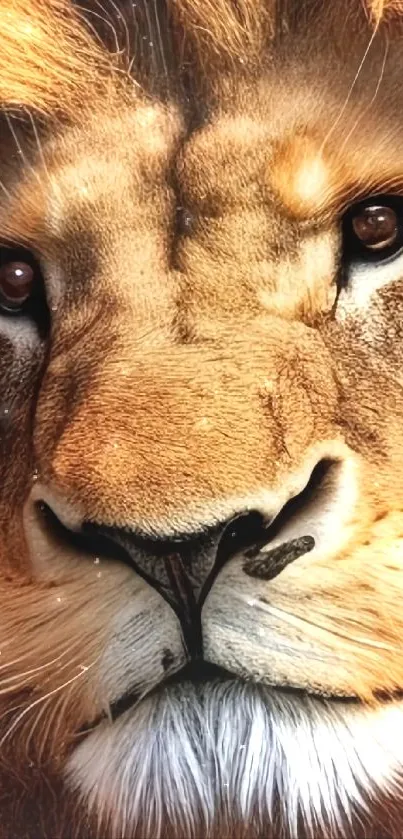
x=52, y=60
x=378, y=8
x=48, y=59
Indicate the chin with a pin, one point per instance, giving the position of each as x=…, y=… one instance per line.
x=228, y=758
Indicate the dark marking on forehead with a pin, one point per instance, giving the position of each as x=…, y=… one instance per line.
x=80, y=252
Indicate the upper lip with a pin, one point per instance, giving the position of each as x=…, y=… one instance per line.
x=244, y=536
x=245, y=533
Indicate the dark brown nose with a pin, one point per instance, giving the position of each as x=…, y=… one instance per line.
x=183, y=569
x=180, y=567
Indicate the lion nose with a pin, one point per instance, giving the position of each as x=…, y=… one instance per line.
x=184, y=569
x=181, y=568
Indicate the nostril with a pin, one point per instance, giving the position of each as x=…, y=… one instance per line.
x=307, y=521
x=85, y=543
x=322, y=486
x=183, y=568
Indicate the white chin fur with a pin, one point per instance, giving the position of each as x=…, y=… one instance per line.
x=240, y=751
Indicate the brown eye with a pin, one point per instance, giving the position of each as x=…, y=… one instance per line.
x=22, y=287
x=17, y=280
x=376, y=226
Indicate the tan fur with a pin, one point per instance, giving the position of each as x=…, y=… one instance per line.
x=197, y=366
x=40, y=71
x=381, y=7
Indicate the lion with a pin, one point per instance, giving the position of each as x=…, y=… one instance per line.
x=201, y=414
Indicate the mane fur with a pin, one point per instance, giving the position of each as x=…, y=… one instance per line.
x=56, y=54
x=48, y=60
x=379, y=8
x=62, y=60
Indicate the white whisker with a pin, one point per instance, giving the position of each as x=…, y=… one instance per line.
x=349, y=94
x=21, y=152
x=10, y=680
x=41, y=699
x=370, y=103
x=39, y=147
x=5, y=190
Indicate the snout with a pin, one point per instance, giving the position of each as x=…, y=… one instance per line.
x=183, y=567
x=171, y=442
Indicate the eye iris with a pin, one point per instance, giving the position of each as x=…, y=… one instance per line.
x=376, y=227
x=16, y=283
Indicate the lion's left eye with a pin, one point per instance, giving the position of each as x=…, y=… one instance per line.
x=21, y=282
x=374, y=228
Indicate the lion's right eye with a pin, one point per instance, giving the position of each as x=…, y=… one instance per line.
x=16, y=284
x=373, y=229
x=376, y=227
x=372, y=250
x=20, y=280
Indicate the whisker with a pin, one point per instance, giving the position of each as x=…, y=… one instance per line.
x=5, y=190
x=38, y=669
x=160, y=40
x=39, y=146
x=370, y=103
x=41, y=699
x=367, y=642
x=122, y=20
x=350, y=92
x=106, y=23
x=35, y=723
x=296, y=620
x=150, y=27
x=20, y=150
x=113, y=23
x=57, y=710
x=82, y=14
x=18, y=146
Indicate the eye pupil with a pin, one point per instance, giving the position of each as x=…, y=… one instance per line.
x=376, y=227
x=17, y=281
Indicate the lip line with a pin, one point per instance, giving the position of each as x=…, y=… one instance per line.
x=214, y=673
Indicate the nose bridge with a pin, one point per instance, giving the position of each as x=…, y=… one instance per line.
x=187, y=427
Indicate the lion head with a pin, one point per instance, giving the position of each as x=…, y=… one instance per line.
x=201, y=413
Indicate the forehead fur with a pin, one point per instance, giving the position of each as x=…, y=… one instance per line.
x=51, y=53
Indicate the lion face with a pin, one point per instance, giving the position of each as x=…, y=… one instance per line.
x=201, y=286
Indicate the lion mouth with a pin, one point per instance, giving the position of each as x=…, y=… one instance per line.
x=196, y=672
x=199, y=673
x=261, y=549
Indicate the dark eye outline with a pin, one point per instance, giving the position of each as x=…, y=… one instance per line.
x=354, y=250
x=35, y=306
